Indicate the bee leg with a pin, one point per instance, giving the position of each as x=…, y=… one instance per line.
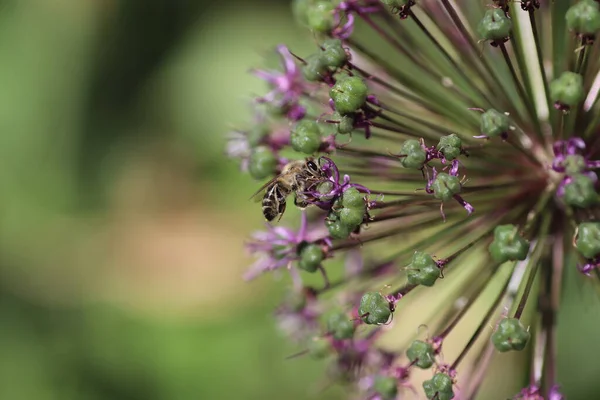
x=300, y=201
x=281, y=209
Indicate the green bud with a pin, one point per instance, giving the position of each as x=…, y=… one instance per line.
x=346, y=123
x=445, y=186
x=257, y=134
x=508, y=244
x=311, y=256
x=495, y=25
x=588, y=239
x=334, y=55
x=314, y=69
x=439, y=387
x=374, y=308
x=414, y=154
x=494, y=123
x=422, y=270
x=351, y=217
x=320, y=16
x=306, y=137
x=348, y=94
x=421, y=354
x=262, y=163
x=319, y=348
x=584, y=17
x=510, y=335
x=580, y=192
x=354, y=199
x=396, y=3
x=386, y=387
x=300, y=10
x=567, y=89
x=574, y=164
x=340, y=326
x=338, y=230
x=450, y=146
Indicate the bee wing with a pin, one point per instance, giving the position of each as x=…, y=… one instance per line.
x=262, y=189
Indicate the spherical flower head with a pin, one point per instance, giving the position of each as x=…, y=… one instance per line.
x=583, y=17
x=567, y=90
x=495, y=25
x=386, y=129
x=588, y=239
x=510, y=335
x=439, y=387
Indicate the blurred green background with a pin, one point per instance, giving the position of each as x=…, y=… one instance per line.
x=122, y=223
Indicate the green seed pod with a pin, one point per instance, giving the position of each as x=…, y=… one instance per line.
x=334, y=55
x=422, y=270
x=354, y=199
x=588, y=239
x=495, y=25
x=338, y=230
x=574, y=164
x=567, y=89
x=300, y=10
x=257, y=134
x=348, y=94
x=584, y=17
x=351, y=217
x=494, y=123
x=263, y=163
x=311, y=256
x=340, y=326
x=414, y=154
x=421, y=354
x=306, y=137
x=510, y=335
x=315, y=69
x=439, y=387
x=386, y=387
x=320, y=16
x=374, y=308
x=580, y=192
x=508, y=244
x=346, y=123
x=319, y=348
x=445, y=186
x=450, y=146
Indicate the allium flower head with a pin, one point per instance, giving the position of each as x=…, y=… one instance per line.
x=452, y=150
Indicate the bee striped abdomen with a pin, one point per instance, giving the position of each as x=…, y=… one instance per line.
x=273, y=203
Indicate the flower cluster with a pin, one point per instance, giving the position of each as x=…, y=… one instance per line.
x=398, y=97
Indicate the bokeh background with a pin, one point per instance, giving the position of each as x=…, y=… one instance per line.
x=121, y=221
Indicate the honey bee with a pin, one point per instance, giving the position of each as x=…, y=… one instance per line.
x=296, y=177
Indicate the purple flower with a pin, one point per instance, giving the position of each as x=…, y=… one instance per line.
x=287, y=86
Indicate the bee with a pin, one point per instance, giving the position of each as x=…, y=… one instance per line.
x=296, y=177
